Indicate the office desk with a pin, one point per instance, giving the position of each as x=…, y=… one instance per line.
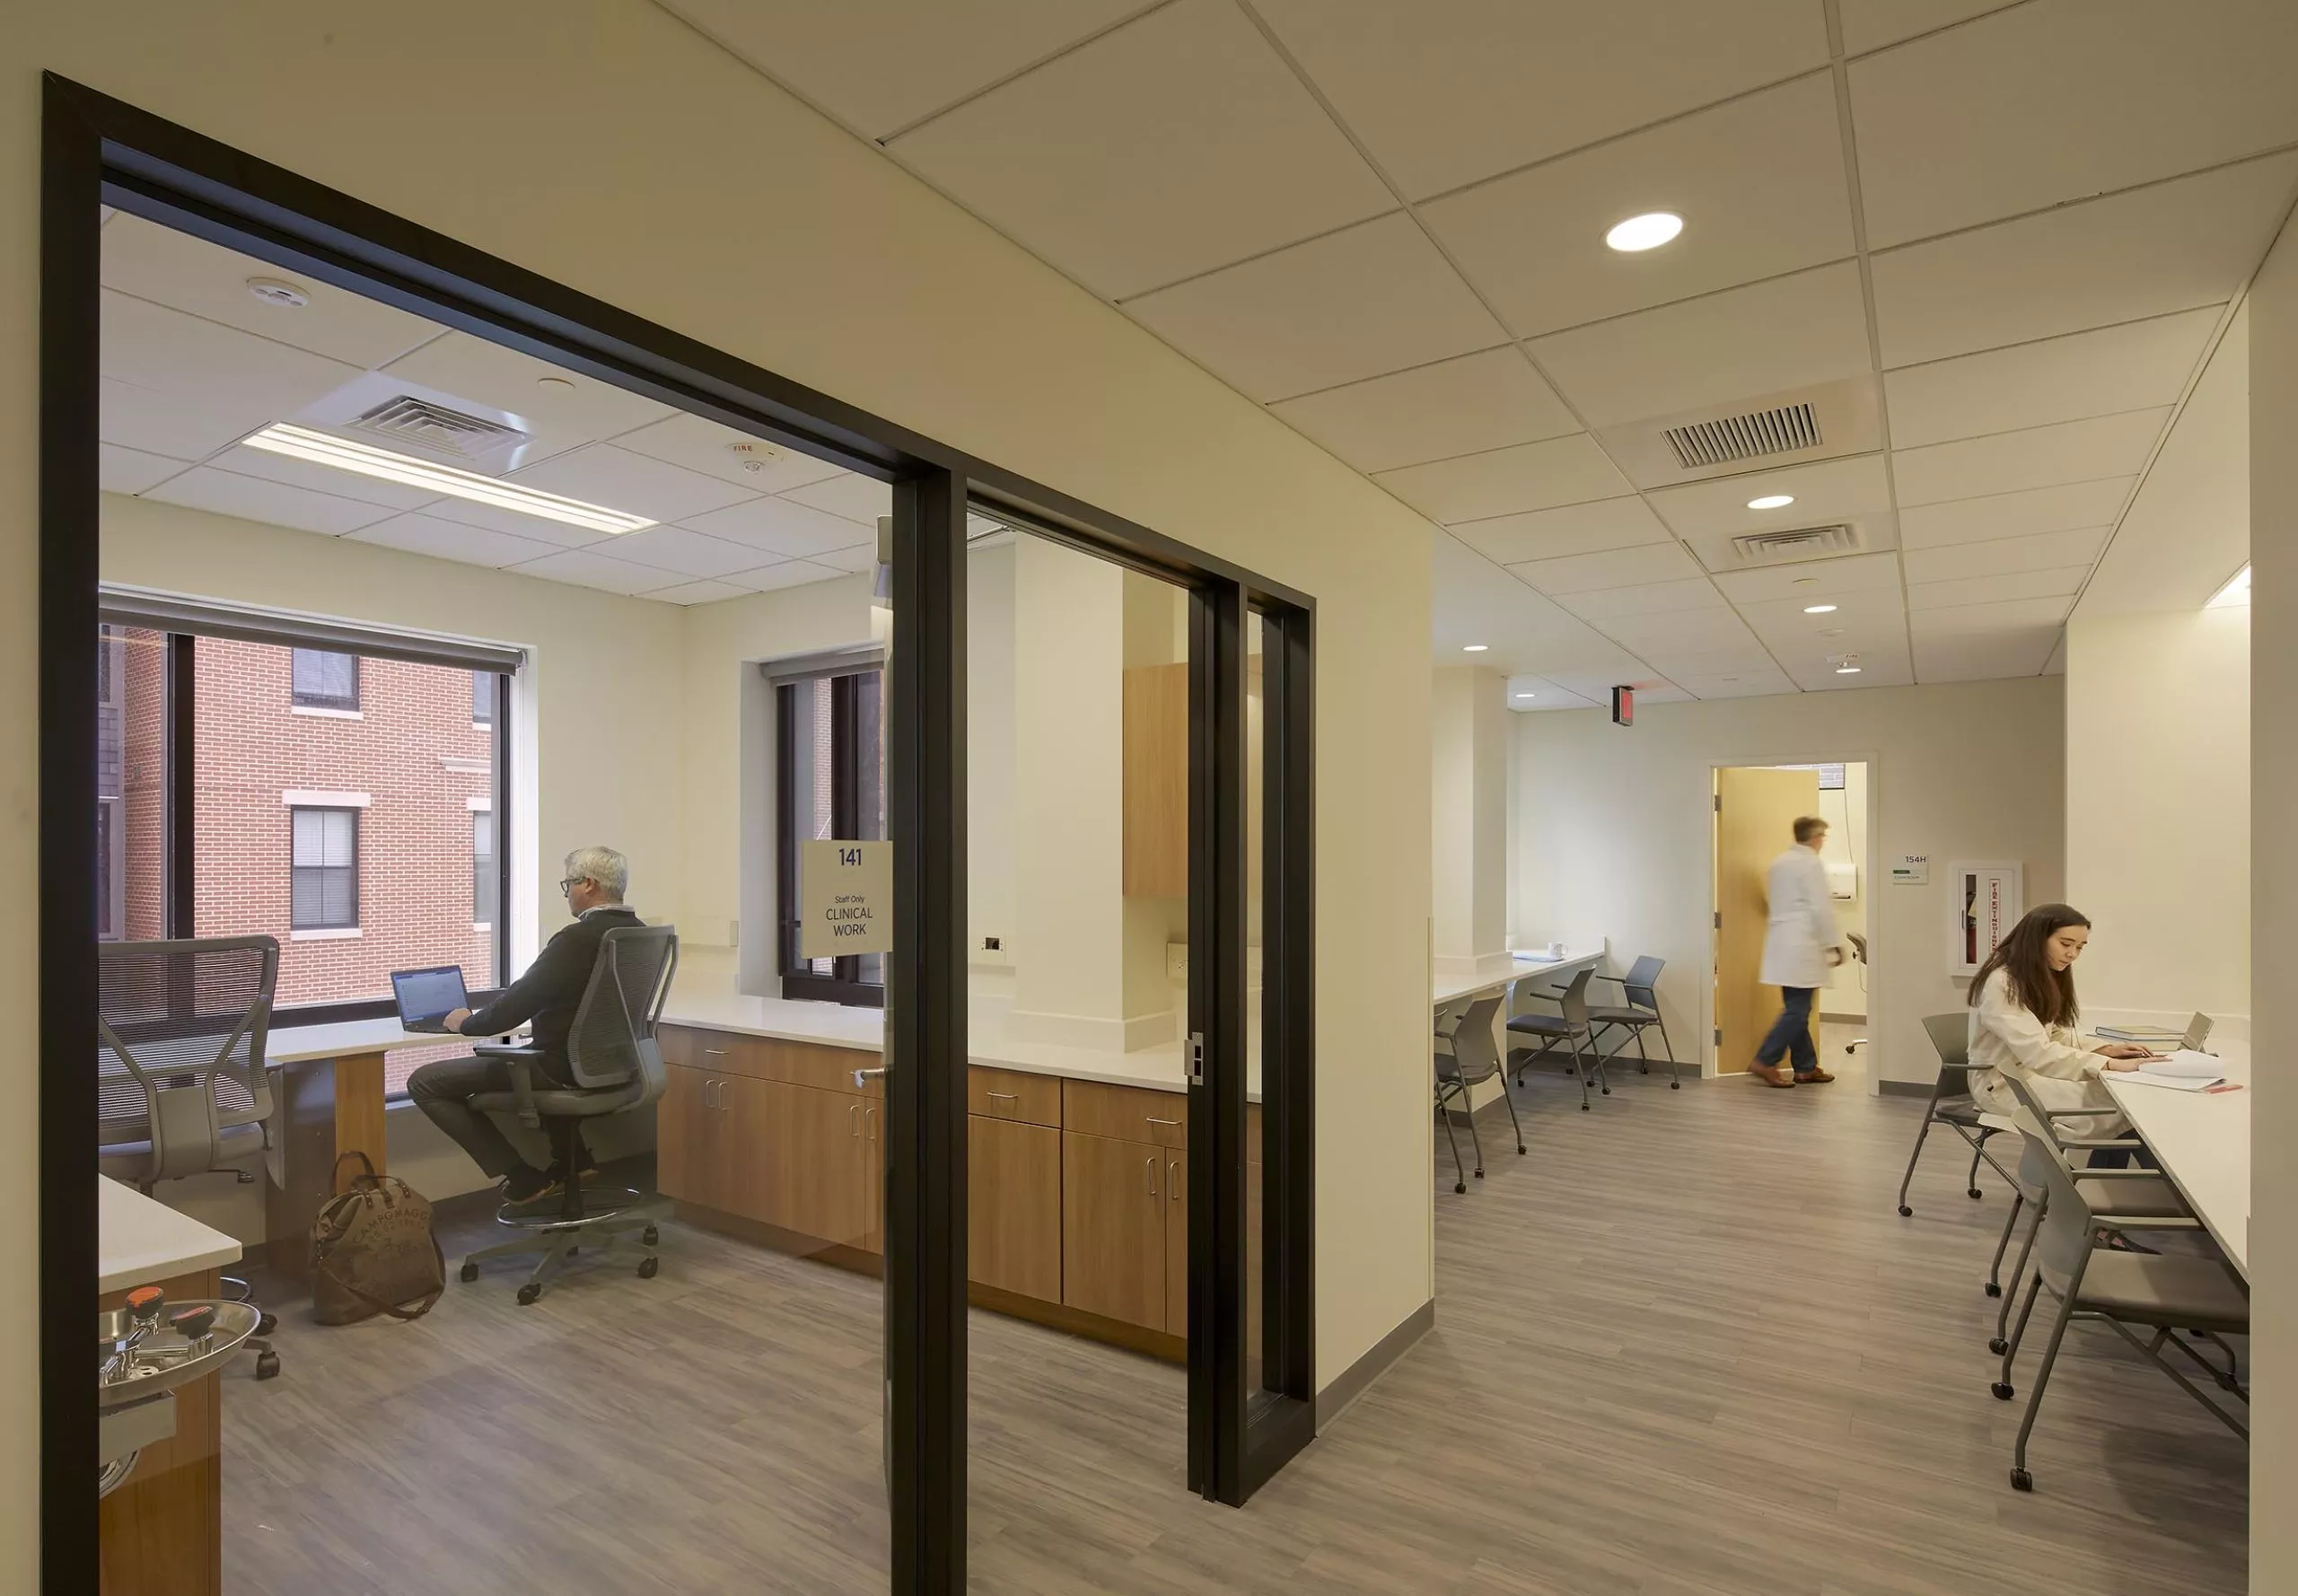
x=2203, y=1141
x=330, y=1091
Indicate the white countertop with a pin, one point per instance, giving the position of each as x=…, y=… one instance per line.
x=139, y=1239
x=2202, y=1140
x=1453, y=989
x=300, y=1044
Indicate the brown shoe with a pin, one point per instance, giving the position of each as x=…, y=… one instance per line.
x=1817, y=1077
x=1769, y=1074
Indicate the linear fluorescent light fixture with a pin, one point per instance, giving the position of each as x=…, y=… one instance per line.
x=2236, y=595
x=323, y=449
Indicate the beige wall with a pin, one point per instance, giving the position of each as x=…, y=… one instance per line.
x=2158, y=853
x=2274, y=916
x=1848, y=843
x=1468, y=801
x=625, y=129
x=1615, y=828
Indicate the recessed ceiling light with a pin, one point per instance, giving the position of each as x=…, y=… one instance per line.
x=1523, y=694
x=1646, y=231
x=1832, y=632
x=1819, y=609
x=322, y=449
x=2236, y=595
x=1772, y=501
x=1850, y=667
x=558, y=384
x=1476, y=648
x=278, y=291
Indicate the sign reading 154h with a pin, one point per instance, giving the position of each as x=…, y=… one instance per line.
x=846, y=898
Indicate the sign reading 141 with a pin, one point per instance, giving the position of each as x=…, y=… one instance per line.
x=844, y=898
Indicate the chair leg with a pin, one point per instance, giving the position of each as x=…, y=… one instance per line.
x=1515, y=1123
x=1476, y=1139
x=1603, y=1076
x=1971, y=1185
x=2003, y=1245
x=2021, y=1480
x=1675, y=1081
x=2003, y=1387
x=1460, y=1176
x=2001, y=1343
x=1583, y=1074
x=1907, y=1179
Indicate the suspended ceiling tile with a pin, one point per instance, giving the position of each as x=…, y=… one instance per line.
x=706, y=446
x=1447, y=92
x=157, y=263
x=861, y=556
x=560, y=408
x=1879, y=669
x=2131, y=367
x=1691, y=630
x=1810, y=580
x=2172, y=247
x=2009, y=615
x=858, y=498
x=2037, y=457
x=326, y=480
x=1567, y=530
x=699, y=593
x=1670, y=598
x=131, y=470
x=2005, y=557
x=1610, y=568
x=251, y=499
x=878, y=65
x=1857, y=612
x=1791, y=332
x=1871, y=24
x=766, y=579
x=688, y=553
x=532, y=528
x=1178, y=142
x=2014, y=514
x=1532, y=694
x=1824, y=491
x=1487, y=401
x=2061, y=100
x=452, y=540
x=635, y=484
x=1971, y=656
x=1373, y=299
x=778, y=527
x=586, y=568
x=2059, y=582
x=226, y=382
x=1758, y=181
x=149, y=422
x=1503, y=481
x=1756, y=682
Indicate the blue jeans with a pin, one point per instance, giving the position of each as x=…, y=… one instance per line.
x=1791, y=1033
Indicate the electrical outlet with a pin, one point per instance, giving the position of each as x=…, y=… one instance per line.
x=1176, y=962
x=992, y=944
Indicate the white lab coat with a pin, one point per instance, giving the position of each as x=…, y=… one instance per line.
x=1802, y=920
x=2060, y=1067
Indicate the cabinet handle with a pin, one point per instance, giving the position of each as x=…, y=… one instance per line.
x=1154, y=1120
x=854, y=1118
x=1149, y=1166
x=869, y=1125
x=714, y=1052
x=1002, y=1096
x=709, y=1094
x=723, y=1106
x=1173, y=1181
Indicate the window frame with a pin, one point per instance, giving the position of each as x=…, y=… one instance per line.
x=845, y=984
x=336, y=703
x=295, y=811
x=485, y=869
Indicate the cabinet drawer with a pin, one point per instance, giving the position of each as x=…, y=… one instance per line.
x=1013, y=1094
x=1125, y=1113
x=768, y=1059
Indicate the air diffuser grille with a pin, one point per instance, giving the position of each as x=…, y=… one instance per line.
x=1785, y=430
x=1802, y=543
x=408, y=420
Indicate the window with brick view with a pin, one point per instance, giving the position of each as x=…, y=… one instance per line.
x=324, y=680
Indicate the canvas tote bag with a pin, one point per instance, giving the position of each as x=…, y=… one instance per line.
x=373, y=1252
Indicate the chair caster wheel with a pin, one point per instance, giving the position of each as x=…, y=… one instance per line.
x=2003, y=1391
x=1643, y=1069
x=267, y=1324
x=649, y=1267
x=529, y=1294
x=1461, y=1187
x=1993, y=1290
x=1974, y=1194
x=1479, y=1174
x=266, y=1366
x=650, y=1236
x=1583, y=1108
x=1605, y=1091
x=469, y=1273
x=1520, y=1149
x=2021, y=1480
x=1906, y=1212
x=1998, y=1347
x=1675, y=1085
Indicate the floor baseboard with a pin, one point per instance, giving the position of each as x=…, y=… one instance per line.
x=1355, y=1380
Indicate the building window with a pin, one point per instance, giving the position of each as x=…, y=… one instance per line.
x=482, y=867
x=323, y=889
x=482, y=697
x=831, y=784
x=325, y=681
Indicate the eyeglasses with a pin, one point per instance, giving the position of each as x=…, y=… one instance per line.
x=567, y=886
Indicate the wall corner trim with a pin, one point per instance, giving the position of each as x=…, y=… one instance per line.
x=1357, y=1379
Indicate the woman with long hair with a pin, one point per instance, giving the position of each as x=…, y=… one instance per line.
x=2023, y=1016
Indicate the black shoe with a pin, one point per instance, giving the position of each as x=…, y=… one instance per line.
x=526, y=1183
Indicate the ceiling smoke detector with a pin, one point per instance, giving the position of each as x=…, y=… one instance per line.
x=752, y=455
x=278, y=291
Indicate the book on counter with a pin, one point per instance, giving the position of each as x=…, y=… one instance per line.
x=2182, y=1071
x=2144, y=1036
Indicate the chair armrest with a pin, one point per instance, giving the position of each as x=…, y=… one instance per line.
x=522, y=1060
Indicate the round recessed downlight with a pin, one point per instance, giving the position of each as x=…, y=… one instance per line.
x=278, y=291
x=1646, y=231
x=1475, y=647
x=1819, y=609
x=1772, y=501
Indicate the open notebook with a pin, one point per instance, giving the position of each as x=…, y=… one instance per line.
x=2183, y=1071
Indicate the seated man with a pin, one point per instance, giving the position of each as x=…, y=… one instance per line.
x=548, y=994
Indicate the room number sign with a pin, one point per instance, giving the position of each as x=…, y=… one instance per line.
x=844, y=898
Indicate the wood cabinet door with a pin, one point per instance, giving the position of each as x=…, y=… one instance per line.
x=1013, y=1212
x=684, y=1167
x=815, y=1175
x=1113, y=1228
x=1177, y=1242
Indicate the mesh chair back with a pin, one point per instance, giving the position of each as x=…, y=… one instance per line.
x=1474, y=1057
x=181, y=1029
x=1575, y=1000
x=612, y=1042
x=1951, y=1039
x=1641, y=983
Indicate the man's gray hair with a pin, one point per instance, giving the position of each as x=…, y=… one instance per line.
x=607, y=868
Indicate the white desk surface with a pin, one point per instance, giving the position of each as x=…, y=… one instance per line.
x=301, y=1044
x=1574, y=959
x=138, y=1239
x=2203, y=1141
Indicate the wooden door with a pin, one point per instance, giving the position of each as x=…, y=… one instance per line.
x=1014, y=1216
x=1113, y=1228
x=1756, y=810
x=684, y=1119
x=816, y=1176
x=1177, y=1242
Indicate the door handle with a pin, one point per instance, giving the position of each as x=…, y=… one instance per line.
x=861, y=1078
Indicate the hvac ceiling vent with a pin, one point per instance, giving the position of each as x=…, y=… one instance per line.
x=406, y=419
x=1801, y=543
x=1789, y=429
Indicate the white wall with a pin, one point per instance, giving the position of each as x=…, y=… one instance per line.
x=1845, y=813
x=1615, y=828
x=2158, y=853
x=626, y=129
x=2274, y=916
x=1468, y=733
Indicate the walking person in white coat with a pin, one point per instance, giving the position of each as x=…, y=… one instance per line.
x=1800, y=946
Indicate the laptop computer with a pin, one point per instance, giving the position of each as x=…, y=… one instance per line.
x=427, y=996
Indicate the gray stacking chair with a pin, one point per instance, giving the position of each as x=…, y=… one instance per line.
x=1640, y=987
x=1951, y=1106
x=1472, y=1061
x=1571, y=1027
x=616, y=1067
x=181, y=1089
x=2120, y=1290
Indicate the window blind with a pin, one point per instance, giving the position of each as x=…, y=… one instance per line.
x=127, y=607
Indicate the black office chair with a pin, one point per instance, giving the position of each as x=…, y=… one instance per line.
x=1952, y=1104
x=1570, y=1026
x=1641, y=988
x=615, y=1066
x=1472, y=1061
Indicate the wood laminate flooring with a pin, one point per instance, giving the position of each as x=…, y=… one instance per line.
x=1684, y=1348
